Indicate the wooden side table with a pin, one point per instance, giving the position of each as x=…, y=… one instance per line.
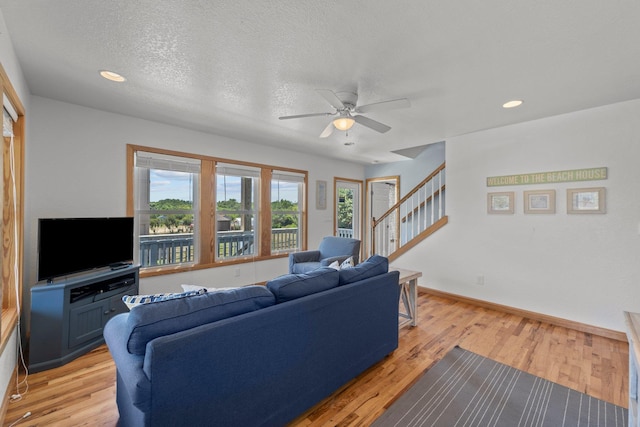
x=408, y=283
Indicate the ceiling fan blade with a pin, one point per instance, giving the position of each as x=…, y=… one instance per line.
x=384, y=105
x=300, y=116
x=331, y=98
x=370, y=123
x=327, y=131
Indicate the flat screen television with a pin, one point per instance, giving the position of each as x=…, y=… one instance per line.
x=73, y=245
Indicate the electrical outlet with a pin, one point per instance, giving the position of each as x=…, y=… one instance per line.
x=480, y=280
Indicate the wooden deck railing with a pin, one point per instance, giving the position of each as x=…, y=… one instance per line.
x=165, y=249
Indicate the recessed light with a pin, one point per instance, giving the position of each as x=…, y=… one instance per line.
x=512, y=104
x=113, y=76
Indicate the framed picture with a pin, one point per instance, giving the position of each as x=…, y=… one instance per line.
x=321, y=195
x=500, y=203
x=540, y=202
x=586, y=200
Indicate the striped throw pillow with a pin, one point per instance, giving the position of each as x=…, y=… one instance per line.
x=136, y=300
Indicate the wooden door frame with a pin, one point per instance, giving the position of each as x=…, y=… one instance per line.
x=368, y=199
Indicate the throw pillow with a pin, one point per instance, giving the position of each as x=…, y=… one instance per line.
x=347, y=263
x=188, y=288
x=135, y=300
x=335, y=265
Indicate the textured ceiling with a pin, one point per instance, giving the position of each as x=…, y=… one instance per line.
x=233, y=67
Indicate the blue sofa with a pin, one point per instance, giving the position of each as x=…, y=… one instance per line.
x=256, y=355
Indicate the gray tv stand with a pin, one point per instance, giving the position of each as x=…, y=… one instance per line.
x=67, y=316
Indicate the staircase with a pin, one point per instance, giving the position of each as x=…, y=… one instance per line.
x=420, y=213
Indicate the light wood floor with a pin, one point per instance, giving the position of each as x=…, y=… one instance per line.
x=82, y=393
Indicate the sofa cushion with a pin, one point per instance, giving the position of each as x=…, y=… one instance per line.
x=149, y=321
x=373, y=266
x=292, y=286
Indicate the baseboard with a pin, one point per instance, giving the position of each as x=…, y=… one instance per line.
x=556, y=321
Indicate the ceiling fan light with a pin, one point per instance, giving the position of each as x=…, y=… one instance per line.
x=512, y=104
x=113, y=76
x=343, y=123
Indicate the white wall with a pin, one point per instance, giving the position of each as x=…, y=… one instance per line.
x=583, y=268
x=75, y=166
x=411, y=171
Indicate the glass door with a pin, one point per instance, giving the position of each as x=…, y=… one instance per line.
x=348, y=208
x=382, y=194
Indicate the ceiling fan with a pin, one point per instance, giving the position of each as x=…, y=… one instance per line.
x=345, y=105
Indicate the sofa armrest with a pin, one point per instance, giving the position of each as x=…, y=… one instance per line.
x=129, y=366
x=303, y=256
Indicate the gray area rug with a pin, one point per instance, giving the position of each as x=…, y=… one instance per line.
x=465, y=389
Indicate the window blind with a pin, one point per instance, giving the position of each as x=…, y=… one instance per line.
x=168, y=163
x=237, y=170
x=6, y=103
x=287, y=176
x=7, y=123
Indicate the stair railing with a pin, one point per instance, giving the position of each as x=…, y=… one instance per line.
x=418, y=214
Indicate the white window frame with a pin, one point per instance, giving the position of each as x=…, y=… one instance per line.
x=292, y=178
x=164, y=249
x=239, y=244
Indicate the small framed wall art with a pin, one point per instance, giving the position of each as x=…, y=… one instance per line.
x=321, y=195
x=586, y=200
x=500, y=203
x=540, y=202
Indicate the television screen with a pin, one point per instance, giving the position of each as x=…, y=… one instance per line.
x=72, y=245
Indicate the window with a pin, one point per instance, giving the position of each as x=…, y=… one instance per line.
x=11, y=231
x=286, y=211
x=166, y=212
x=199, y=211
x=237, y=190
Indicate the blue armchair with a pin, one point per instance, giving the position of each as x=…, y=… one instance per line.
x=331, y=249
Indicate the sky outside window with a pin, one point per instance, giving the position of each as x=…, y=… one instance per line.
x=282, y=190
x=179, y=185
x=170, y=185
